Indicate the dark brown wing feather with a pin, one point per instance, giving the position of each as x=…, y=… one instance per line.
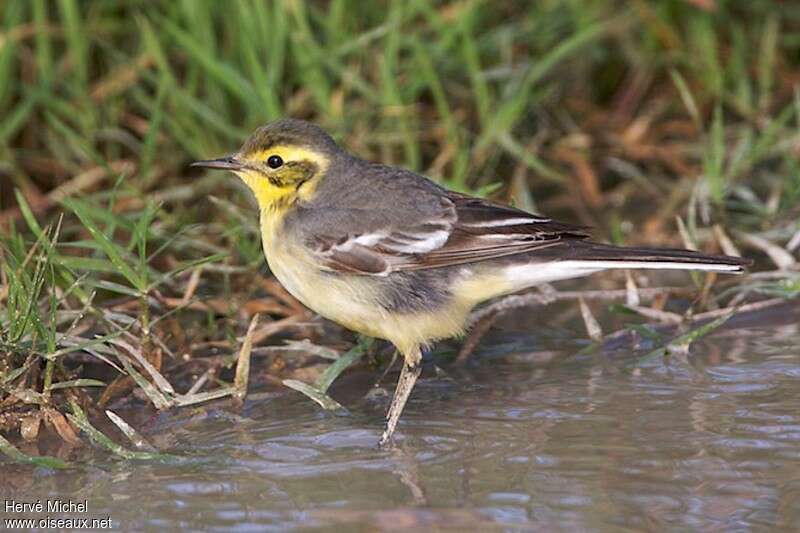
x=465, y=230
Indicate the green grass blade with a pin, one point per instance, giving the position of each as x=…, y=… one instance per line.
x=109, y=248
x=43, y=460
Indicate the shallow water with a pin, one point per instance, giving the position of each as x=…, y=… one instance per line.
x=530, y=434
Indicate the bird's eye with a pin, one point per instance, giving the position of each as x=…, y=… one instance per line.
x=274, y=161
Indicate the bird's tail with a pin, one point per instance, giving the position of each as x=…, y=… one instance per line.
x=580, y=258
x=605, y=256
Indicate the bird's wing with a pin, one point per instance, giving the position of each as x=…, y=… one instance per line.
x=460, y=229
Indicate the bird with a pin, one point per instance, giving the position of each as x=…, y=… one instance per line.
x=391, y=254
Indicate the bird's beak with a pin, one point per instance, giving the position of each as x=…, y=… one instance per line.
x=224, y=163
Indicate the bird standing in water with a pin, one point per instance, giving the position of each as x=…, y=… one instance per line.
x=390, y=254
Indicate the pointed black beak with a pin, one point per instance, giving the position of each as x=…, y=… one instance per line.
x=224, y=163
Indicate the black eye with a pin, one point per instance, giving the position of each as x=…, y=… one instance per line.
x=274, y=161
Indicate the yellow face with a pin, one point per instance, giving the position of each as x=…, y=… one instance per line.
x=281, y=174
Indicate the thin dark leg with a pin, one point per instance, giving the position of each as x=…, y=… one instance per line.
x=408, y=376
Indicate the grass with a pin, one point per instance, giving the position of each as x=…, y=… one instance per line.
x=621, y=116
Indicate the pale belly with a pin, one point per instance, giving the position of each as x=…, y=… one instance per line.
x=354, y=302
x=346, y=302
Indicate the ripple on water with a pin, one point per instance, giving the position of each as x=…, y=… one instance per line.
x=518, y=443
x=277, y=452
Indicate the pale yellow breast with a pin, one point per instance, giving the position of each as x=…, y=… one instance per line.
x=348, y=300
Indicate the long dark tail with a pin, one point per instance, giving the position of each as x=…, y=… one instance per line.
x=608, y=256
x=578, y=258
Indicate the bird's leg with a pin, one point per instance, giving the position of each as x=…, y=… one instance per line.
x=408, y=376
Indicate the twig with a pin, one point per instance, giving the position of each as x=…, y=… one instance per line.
x=657, y=314
x=725, y=242
x=272, y=328
x=783, y=259
x=158, y=378
x=716, y=313
x=197, y=385
x=755, y=306
x=794, y=242
x=133, y=435
x=632, y=291
x=475, y=335
x=515, y=301
x=191, y=286
x=243, y=362
x=593, y=328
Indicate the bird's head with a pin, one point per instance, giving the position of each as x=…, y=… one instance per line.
x=281, y=162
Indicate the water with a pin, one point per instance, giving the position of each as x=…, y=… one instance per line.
x=529, y=435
